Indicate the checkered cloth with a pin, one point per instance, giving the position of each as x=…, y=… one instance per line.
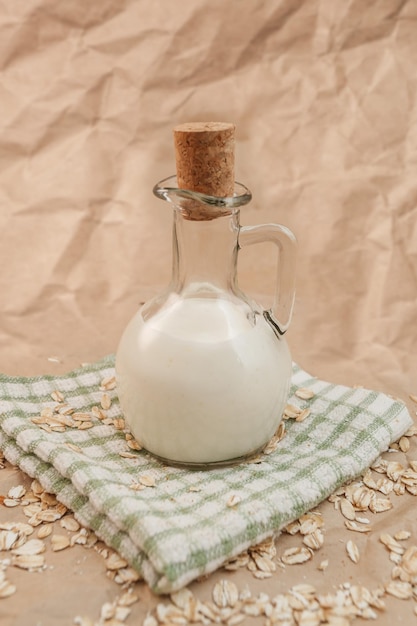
x=183, y=527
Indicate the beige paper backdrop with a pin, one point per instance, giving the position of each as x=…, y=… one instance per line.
x=324, y=97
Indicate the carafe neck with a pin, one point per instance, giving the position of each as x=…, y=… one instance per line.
x=204, y=254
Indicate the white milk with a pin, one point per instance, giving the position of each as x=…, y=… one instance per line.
x=199, y=383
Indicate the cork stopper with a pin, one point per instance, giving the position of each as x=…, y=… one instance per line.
x=205, y=157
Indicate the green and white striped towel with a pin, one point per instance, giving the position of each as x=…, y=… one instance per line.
x=183, y=528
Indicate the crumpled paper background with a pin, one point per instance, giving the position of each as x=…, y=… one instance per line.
x=323, y=95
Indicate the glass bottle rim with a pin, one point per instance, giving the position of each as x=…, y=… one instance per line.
x=167, y=189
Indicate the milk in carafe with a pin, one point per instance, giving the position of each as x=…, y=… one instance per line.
x=203, y=380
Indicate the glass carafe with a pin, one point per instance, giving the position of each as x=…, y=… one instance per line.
x=203, y=372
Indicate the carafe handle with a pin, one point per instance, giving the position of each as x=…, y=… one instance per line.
x=279, y=316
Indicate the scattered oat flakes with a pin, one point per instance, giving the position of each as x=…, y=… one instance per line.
x=182, y=598
x=399, y=589
x=105, y=401
x=385, y=486
x=31, y=547
x=301, y=605
x=291, y=411
x=10, y=502
x=127, y=455
x=70, y=523
x=360, y=496
x=399, y=489
x=225, y=594
x=347, y=509
x=29, y=561
x=297, y=555
x=66, y=409
x=314, y=540
x=409, y=561
x=273, y=443
x=359, y=528
x=7, y=589
x=368, y=479
x=49, y=515
x=59, y=542
x=352, y=551
x=361, y=596
x=81, y=416
x=114, y=561
x=304, y=394
x=73, y=447
x=404, y=444
x=147, y=480
x=394, y=470
x=168, y=613
x=48, y=498
x=54, y=359
x=57, y=396
x=80, y=538
x=261, y=574
x=237, y=562
x=280, y=434
x=402, y=535
x=303, y=415
x=44, y=531
x=127, y=575
x=108, y=383
x=23, y=530
x=293, y=528
x=108, y=611
x=309, y=523
x=134, y=445
x=379, y=465
x=380, y=505
x=233, y=500
x=185, y=600
x=392, y=544
x=9, y=539
x=128, y=598
x=121, y=614
x=135, y=486
x=97, y=413
x=150, y=620
x=263, y=562
x=16, y=492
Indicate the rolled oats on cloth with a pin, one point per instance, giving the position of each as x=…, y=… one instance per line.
x=174, y=525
